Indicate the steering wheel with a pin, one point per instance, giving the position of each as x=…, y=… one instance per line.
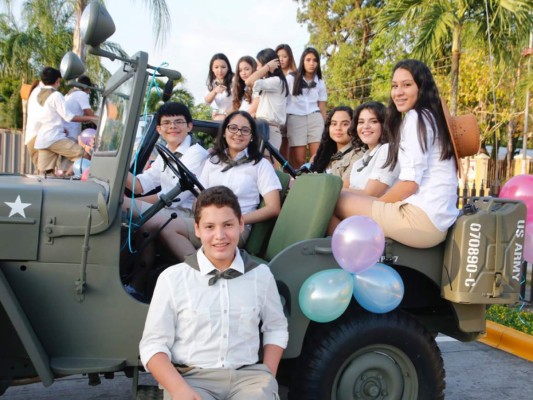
x=187, y=179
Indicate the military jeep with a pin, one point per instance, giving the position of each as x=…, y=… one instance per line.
x=64, y=310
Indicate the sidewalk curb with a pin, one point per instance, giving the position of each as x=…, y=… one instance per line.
x=510, y=340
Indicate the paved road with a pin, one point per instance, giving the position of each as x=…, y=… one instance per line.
x=473, y=372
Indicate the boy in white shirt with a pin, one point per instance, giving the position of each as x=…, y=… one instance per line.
x=201, y=337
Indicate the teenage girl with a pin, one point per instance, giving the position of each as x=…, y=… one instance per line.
x=271, y=87
x=306, y=110
x=288, y=66
x=369, y=175
x=420, y=207
x=237, y=163
x=242, y=94
x=338, y=150
x=219, y=81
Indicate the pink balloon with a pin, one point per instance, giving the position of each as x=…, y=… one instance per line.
x=528, y=243
x=357, y=243
x=520, y=187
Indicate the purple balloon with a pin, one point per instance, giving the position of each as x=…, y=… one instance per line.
x=87, y=134
x=357, y=243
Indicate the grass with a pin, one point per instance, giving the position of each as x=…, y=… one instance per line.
x=511, y=316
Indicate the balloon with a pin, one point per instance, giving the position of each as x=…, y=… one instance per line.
x=79, y=166
x=325, y=295
x=87, y=134
x=379, y=289
x=357, y=243
x=85, y=174
x=520, y=187
x=528, y=243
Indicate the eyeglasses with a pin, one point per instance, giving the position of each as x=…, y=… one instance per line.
x=245, y=131
x=176, y=123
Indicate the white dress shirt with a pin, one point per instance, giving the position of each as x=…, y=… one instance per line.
x=374, y=169
x=54, y=114
x=157, y=175
x=436, y=179
x=248, y=181
x=307, y=102
x=77, y=101
x=222, y=103
x=213, y=326
x=33, y=114
x=272, y=99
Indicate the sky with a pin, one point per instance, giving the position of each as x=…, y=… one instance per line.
x=201, y=28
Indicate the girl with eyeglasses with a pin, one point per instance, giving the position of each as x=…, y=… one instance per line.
x=306, y=110
x=271, y=87
x=338, y=149
x=237, y=163
x=219, y=81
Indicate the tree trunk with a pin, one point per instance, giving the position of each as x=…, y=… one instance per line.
x=77, y=44
x=456, y=55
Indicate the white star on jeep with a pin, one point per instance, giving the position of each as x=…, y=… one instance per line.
x=17, y=207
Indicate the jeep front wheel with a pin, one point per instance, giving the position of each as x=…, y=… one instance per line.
x=370, y=357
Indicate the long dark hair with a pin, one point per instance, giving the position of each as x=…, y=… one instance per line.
x=379, y=110
x=300, y=72
x=327, y=146
x=219, y=148
x=239, y=87
x=266, y=55
x=228, y=79
x=428, y=108
x=288, y=50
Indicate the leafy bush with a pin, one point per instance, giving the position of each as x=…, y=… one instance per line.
x=512, y=317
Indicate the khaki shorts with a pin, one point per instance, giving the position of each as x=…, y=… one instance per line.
x=407, y=224
x=274, y=136
x=304, y=129
x=195, y=240
x=65, y=147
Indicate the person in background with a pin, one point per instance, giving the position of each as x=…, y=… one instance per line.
x=271, y=87
x=338, y=149
x=420, y=207
x=288, y=66
x=242, y=94
x=306, y=110
x=201, y=338
x=219, y=82
x=32, y=122
x=78, y=103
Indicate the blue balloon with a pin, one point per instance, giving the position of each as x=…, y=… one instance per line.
x=378, y=289
x=80, y=165
x=325, y=295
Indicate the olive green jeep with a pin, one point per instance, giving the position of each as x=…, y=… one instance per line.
x=64, y=309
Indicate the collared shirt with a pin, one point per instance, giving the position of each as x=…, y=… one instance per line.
x=53, y=115
x=374, y=160
x=157, y=175
x=213, y=326
x=222, y=103
x=77, y=101
x=307, y=102
x=248, y=181
x=34, y=114
x=272, y=100
x=343, y=167
x=436, y=178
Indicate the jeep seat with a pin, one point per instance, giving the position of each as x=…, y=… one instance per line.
x=306, y=211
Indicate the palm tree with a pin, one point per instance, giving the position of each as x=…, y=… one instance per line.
x=437, y=27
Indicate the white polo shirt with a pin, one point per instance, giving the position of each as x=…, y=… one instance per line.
x=77, y=101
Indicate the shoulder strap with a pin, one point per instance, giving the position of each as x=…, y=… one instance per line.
x=43, y=95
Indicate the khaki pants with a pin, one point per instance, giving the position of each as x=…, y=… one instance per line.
x=48, y=158
x=33, y=152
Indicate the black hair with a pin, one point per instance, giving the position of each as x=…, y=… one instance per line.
x=288, y=50
x=219, y=196
x=300, y=72
x=228, y=79
x=50, y=75
x=172, y=108
x=84, y=79
x=327, y=146
x=239, y=87
x=266, y=55
x=379, y=110
x=428, y=108
x=219, y=148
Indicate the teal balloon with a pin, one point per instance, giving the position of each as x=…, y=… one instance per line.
x=325, y=295
x=379, y=289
